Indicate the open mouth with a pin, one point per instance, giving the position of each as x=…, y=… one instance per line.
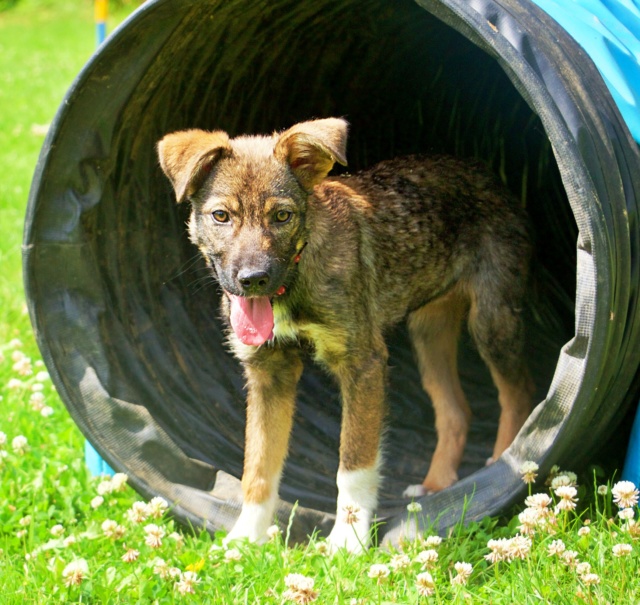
x=252, y=318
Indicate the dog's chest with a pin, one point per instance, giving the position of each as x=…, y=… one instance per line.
x=329, y=344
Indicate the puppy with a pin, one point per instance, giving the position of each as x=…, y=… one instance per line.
x=332, y=264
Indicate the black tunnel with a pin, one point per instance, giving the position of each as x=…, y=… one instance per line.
x=127, y=318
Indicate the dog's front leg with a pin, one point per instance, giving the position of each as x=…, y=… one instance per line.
x=272, y=377
x=362, y=383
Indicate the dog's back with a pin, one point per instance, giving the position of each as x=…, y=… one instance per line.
x=427, y=223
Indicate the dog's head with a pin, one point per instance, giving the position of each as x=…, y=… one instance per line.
x=248, y=198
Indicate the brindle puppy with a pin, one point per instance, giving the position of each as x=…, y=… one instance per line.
x=335, y=262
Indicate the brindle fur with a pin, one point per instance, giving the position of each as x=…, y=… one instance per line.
x=433, y=240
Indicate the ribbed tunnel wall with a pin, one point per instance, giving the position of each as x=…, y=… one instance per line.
x=126, y=314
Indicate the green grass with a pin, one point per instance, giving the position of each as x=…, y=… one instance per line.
x=53, y=513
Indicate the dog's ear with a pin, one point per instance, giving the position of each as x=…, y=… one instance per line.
x=188, y=156
x=312, y=148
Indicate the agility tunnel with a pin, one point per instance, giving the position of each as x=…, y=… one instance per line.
x=126, y=315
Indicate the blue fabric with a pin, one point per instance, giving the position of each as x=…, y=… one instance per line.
x=96, y=464
x=609, y=32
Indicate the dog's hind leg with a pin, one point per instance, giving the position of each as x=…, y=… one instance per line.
x=496, y=324
x=434, y=331
x=272, y=378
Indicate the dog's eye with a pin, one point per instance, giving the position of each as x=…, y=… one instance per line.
x=220, y=216
x=283, y=216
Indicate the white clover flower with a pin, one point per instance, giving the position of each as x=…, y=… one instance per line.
x=187, y=582
x=399, y=562
x=36, y=401
x=520, y=546
x=130, y=555
x=530, y=519
x=138, y=512
x=350, y=513
x=529, y=471
x=42, y=376
x=584, y=531
x=104, y=487
x=157, y=507
x=625, y=494
x=570, y=558
x=632, y=527
x=591, y=579
x=564, y=479
x=583, y=568
x=273, y=531
x=14, y=384
x=97, y=502
x=69, y=540
x=433, y=541
x=603, y=490
x=233, y=554
x=155, y=534
x=23, y=367
x=3, y=440
x=567, y=495
x=75, y=572
x=626, y=514
x=112, y=529
x=19, y=444
x=57, y=530
x=15, y=343
x=500, y=550
x=119, y=482
x=37, y=387
x=463, y=571
x=427, y=558
x=556, y=548
x=378, y=571
x=299, y=589
x=177, y=538
x=425, y=584
x=414, y=507
x=622, y=550
x=539, y=501
x=160, y=568
x=46, y=411
x=323, y=548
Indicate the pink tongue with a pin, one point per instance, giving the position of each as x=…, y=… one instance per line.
x=251, y=319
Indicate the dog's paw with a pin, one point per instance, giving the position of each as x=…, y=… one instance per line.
x=354, y=538
x=252, y=524
x=415, y=491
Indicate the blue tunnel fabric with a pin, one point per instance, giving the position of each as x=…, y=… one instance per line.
x=609, y=32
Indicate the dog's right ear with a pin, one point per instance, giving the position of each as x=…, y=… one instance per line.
x=188, y=156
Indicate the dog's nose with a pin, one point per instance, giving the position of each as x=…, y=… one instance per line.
x=251, y=279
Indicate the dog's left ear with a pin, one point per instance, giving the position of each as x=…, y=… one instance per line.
x=188, y=156
x=312, y=148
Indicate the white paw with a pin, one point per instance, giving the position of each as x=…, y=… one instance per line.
x=355, y=537
x=252, y=524
x=490, y=461
x=415, y=491
x=357, y=499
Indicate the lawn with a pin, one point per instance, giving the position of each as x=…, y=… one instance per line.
x=68, y=537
